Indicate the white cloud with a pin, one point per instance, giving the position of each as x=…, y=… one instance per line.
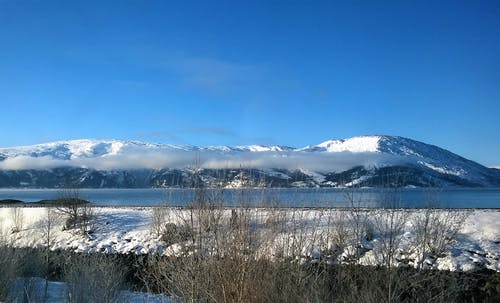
x=326, y=162
x=27, y=162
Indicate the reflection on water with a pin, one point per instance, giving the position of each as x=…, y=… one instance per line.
x=310, y=197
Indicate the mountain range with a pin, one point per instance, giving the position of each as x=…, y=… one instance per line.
x=365, y=161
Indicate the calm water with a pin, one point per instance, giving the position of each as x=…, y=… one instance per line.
x=454, y=198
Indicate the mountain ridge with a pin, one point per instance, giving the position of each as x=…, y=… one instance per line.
x=356, y=161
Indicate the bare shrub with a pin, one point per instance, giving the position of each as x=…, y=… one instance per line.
x=359, y=228
x=171, y=233
x=47, y=228
x=206, y=212
x=10, y=261
x=435, y=230
x=234, y=255
x=248, y=254
x=158, y=217
x=334, y=235
x=87, y=219
x=70, y=204
x=389, y=222
x=25, y=269
x=78, y=211
x=17, y=217
x=230, y=265
x=8, y=270
x=94, y=278
x=32, y=289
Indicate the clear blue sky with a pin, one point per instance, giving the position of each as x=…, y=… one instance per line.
x=252, y=72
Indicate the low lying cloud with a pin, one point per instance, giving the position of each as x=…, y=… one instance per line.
x=321, y=162
x=27, y=162
x=317, y=161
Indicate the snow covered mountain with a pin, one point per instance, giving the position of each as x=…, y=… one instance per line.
x=87, y=148
x=357, y=161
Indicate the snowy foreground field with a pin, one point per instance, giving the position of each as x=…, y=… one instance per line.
x=461, y=241
x=134, y=231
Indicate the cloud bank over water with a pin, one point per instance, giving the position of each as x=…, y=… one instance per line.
x=157, y=159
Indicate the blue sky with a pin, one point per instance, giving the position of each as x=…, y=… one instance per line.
x=252, y=72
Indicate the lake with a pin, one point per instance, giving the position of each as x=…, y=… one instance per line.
x=307, y=197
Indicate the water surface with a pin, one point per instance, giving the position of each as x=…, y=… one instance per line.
x=308, y=197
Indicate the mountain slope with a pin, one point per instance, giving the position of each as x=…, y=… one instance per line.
x=357, y=161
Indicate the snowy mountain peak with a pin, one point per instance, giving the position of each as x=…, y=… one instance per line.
x=91, y=148
x=355, y=144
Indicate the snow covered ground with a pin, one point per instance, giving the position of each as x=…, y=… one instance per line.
x=131, y=230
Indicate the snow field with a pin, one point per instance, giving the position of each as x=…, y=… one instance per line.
x=331, y=235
